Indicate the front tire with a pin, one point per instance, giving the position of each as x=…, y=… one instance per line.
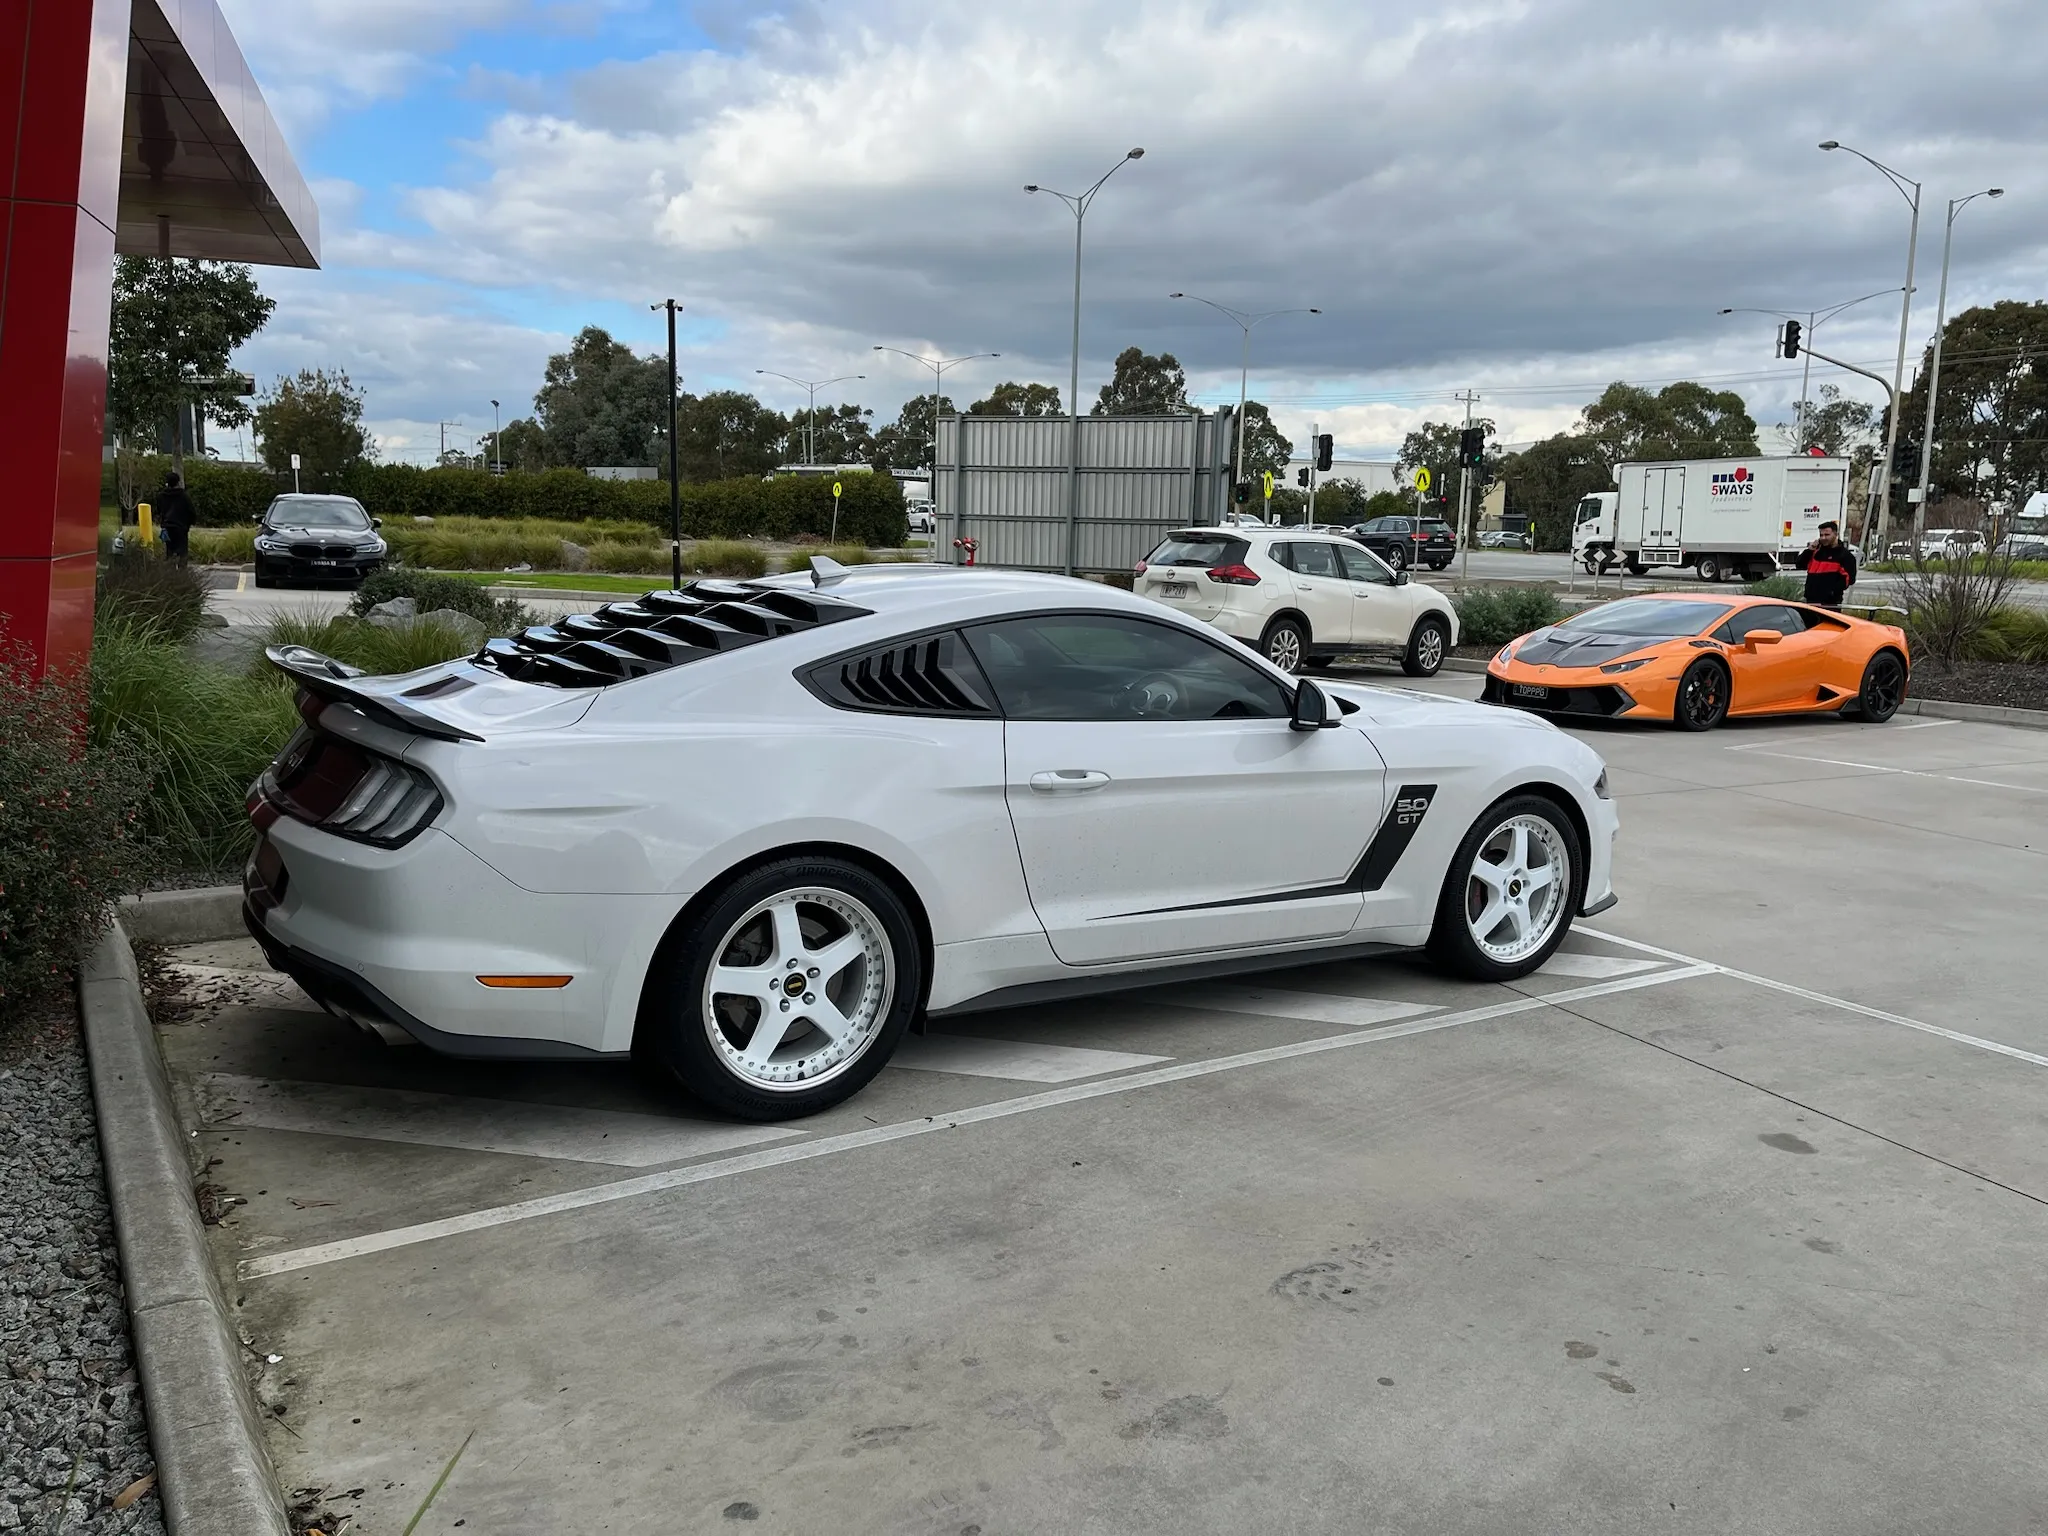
x=1397, y=558
x=1428, y=644
x=787, y=993
x=1285, y=644
x=1510, y=893
x=1711, y=569
x=1703, y=696
x=1883, y=689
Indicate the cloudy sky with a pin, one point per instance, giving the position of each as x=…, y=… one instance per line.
x=1527, y=199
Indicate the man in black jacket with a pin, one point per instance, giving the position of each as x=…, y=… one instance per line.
x=174, y=514
x=1830, y=567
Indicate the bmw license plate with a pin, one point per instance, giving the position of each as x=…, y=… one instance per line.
x=1176, y=589
x=1531, y=691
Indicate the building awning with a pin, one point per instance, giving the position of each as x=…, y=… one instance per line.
x=200, y=150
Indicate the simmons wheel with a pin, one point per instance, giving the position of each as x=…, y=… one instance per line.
x=1509, y=895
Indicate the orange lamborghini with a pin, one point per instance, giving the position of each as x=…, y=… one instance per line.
x=1695, y=660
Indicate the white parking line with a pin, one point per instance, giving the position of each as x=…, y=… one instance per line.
x=829, y=1146
x=523, y=1129
x=1593, y=967
x=1015, y=1060
x=1313, y=1007
x=1994, y=1046
x=1910, y=773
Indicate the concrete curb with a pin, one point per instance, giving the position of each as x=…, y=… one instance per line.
x=213, y=1473
x=184, y=917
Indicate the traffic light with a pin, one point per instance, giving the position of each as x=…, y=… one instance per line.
x=1244, y=492
x=1788, y=339
x=1324, y=445
x=1472, y=447
x=1301, y=476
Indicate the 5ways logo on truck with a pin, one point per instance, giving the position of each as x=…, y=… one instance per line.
x=1738, y=482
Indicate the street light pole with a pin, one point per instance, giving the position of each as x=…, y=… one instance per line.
x=1955, y=206
x=811, y=418
x=497, y=445
x=1078, y=203
x=938, y=366
x=1882, y=493
x=1815, y=319
x=1246, y=323
x=675, y=489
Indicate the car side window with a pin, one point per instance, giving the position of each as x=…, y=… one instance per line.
x=1373, y=526
x=1359, y=565
x=1086, y=666
x=1816, y=620
x=1282, y=555
x=1775, y=616
x=1396, y=525
x=1315, y=560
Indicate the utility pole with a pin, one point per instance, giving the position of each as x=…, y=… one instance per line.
x=1315, y=453
x=675, y=490
x=1465, y=500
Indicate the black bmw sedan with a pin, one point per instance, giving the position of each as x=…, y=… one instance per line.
x=317, y=539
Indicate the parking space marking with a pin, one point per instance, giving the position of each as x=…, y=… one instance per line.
x=521, y=1128
x=1015, y=1060
x=1593, y=967
x=292, y=1259
x=1311, y=1007
x=1910, y=773
x=1994, y=1046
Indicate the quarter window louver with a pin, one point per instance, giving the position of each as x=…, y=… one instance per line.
x=931, y=675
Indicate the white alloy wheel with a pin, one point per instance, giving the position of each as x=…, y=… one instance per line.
x=798, y=989
x=1516, y=888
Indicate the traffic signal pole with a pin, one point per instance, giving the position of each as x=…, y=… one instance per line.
x=1315, y=443
x=1465, y=501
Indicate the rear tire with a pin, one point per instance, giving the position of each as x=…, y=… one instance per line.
x=1428, y=644
x=1710, y=568
x=718, y=982
x=1285, y=644
x=1494, y=922
x=1703, y=696
x=1882, y=691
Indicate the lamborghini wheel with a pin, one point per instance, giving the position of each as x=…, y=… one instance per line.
x=1883, y=690
x=1702, y=701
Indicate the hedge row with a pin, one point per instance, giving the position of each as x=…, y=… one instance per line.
x=785, y=507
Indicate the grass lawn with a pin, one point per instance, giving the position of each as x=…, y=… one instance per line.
x=562, y=581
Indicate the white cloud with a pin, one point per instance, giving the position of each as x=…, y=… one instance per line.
x=1495, y=193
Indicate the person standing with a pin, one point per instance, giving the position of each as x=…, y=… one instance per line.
x=1830, y=567
x=175, y=514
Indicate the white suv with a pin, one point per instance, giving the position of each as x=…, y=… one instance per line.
x=1299, y=598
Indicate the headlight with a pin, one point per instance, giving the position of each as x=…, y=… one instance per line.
x=1507, y=652
x=1628, y=666
x=265, y=541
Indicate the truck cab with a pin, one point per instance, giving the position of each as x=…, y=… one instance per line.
x=1593, y=530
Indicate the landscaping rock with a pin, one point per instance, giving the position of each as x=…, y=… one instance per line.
x=472, y=630
x=574, y=557
x=71, y=1415
x=392, y=611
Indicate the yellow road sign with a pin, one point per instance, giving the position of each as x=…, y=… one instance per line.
x=1268, y=478
x=835, y=490
x=1422, y=479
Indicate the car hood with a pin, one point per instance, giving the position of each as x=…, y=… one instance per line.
x=1556, y=647
x=1400, y=706
x=301, y=531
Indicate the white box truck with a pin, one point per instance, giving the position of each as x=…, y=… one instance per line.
x=1742, y=517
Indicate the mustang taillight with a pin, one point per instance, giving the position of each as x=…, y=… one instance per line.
x=345, y=789
x=1234, y=575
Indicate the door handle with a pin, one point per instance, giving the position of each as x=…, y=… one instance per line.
x=1068, y=781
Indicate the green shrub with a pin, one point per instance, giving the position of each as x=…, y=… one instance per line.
x=1495, y=615
x=204, y=733
x=501, y=615
x=845, y=554
x=2013, y=634
x=373, y=647
x=72, y=831
x=627, y=559
x=449, y=549
x=725, y=557
x=141, y=588
x=224, y=546
x=1781, y=586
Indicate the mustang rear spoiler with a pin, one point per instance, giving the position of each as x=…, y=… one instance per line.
x=326, y=678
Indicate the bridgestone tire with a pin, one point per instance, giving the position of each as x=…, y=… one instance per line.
x=679, y=1015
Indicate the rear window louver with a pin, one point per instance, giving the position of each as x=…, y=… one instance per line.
x=933, y=675
x=664, y=629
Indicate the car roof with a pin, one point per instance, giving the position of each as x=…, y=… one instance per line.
x=1266, y=530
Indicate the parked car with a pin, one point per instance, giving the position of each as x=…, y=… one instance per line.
x=909, y=794
x=1941, y=544
x=1502, y=538
x=1695, y=660
x=317, y=539
x=921, y=517
x=1406, y=541
x=1298, y=599
x=2024, y=546
x=1244, y=520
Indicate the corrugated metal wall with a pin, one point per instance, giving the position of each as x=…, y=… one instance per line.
x=1003, y=482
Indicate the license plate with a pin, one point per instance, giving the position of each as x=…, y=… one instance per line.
x=1176, y=589
x=1531, y=691
x=327, y=562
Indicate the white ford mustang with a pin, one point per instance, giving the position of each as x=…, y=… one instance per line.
x=753, y=832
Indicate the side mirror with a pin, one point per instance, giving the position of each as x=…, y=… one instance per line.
x=1401, y=577
x=1312, y=710
x=1757, y=637
x=376, y=522
x=256, y=517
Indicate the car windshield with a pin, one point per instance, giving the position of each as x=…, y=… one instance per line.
x=1200, y=549
x=318, y=512
x=1651, y=618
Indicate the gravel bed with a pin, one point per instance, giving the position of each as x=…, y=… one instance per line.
x=71, y=1415
x=2014, y=685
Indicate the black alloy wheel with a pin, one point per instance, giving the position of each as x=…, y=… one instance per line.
x=1703, y=695
x=1883, y=690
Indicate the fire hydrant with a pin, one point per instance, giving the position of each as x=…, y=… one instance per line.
x=965, y=546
